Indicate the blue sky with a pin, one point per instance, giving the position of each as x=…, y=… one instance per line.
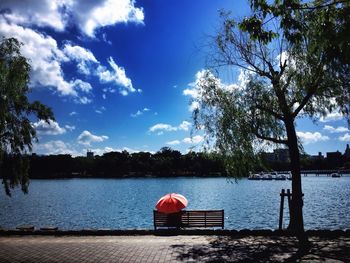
x=115, y=72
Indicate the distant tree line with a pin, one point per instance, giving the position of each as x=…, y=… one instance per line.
x=309, y=163
x=166, y=162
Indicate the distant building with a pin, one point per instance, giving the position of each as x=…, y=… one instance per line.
x=347, y=152
x=317, y=157
x=90, y=154
x=334, y=158
x=278, y=155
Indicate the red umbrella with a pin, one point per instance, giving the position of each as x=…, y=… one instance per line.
x=171, y=203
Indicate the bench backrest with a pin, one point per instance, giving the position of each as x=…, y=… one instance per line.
x=190, y=218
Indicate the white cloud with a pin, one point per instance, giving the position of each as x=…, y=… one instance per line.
x=55, y=147
x=18, y=18
x=332, y=116
x=193, y=106
x=39, y=13
x=109, y=12
x=45, y=60
x=162, y=126
x=78, y=53
x=195, y=90
x=81, y=85
x=331, y=129
x=69, y=127
x=100, y=110
x=58, y=14
x=183, y=126
x=84, y=57
x=99, y=151
x=86, y=138
x=188, y=140
x=48, y=128
x=73, y=113
x=117, y=76
x=83, y=100
x=309, y=137
x=139, y=112
x=175, y=142
x=44, y=57
x=193, y=140
x=345, y=138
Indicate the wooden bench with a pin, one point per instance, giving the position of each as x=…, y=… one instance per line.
x=189, y=218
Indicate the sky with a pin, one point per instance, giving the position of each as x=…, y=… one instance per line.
x=118, y=74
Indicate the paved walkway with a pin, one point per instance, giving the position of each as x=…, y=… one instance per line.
x=169, y=249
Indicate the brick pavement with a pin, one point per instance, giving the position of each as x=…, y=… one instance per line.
x=169, y=249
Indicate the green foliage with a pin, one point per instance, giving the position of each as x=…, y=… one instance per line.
x=294, y=57
x=16, y=131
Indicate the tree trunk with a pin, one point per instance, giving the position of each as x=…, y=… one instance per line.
x=296, y=210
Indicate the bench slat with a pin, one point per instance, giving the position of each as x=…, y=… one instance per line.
x=190, y=218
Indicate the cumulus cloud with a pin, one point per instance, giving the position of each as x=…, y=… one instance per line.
x=89, y=65
x=175, y=142
x=23, y=19
x=117, y=76
x=88, y=16
x=45, y=60
x=345, y=138
x=94, y=15
x=161, y=127
x=48, y=128
x=101, y=151
x=331, y=116
x=55, y=147
x=188, y=140
x=86, y=138
x=311, y=137
x=195, y=91
x=44, y=55
x=39, y=13
x=193, y=140
x=332, y=129
x=85, y=58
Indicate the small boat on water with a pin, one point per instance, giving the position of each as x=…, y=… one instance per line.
x=265, y=176
x=254, y=176
x=335, y=175
x=280, y=177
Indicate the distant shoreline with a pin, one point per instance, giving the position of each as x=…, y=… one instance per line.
x=72, y=176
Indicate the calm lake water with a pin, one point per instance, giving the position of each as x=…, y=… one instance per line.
x=128, y=203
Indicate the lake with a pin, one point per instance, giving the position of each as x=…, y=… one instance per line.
x=128, y=203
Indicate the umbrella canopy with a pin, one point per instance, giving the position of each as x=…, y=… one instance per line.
x=171, y=203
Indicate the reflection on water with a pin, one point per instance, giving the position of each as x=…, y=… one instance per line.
x=128, y=203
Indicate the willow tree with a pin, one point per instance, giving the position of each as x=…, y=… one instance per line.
x=294, y=59
x=16, y=130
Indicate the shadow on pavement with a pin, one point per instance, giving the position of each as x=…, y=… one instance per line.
x=264, y=249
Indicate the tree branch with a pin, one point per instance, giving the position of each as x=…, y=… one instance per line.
x=275, y=140
x=308, y=96
x=270, y=111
